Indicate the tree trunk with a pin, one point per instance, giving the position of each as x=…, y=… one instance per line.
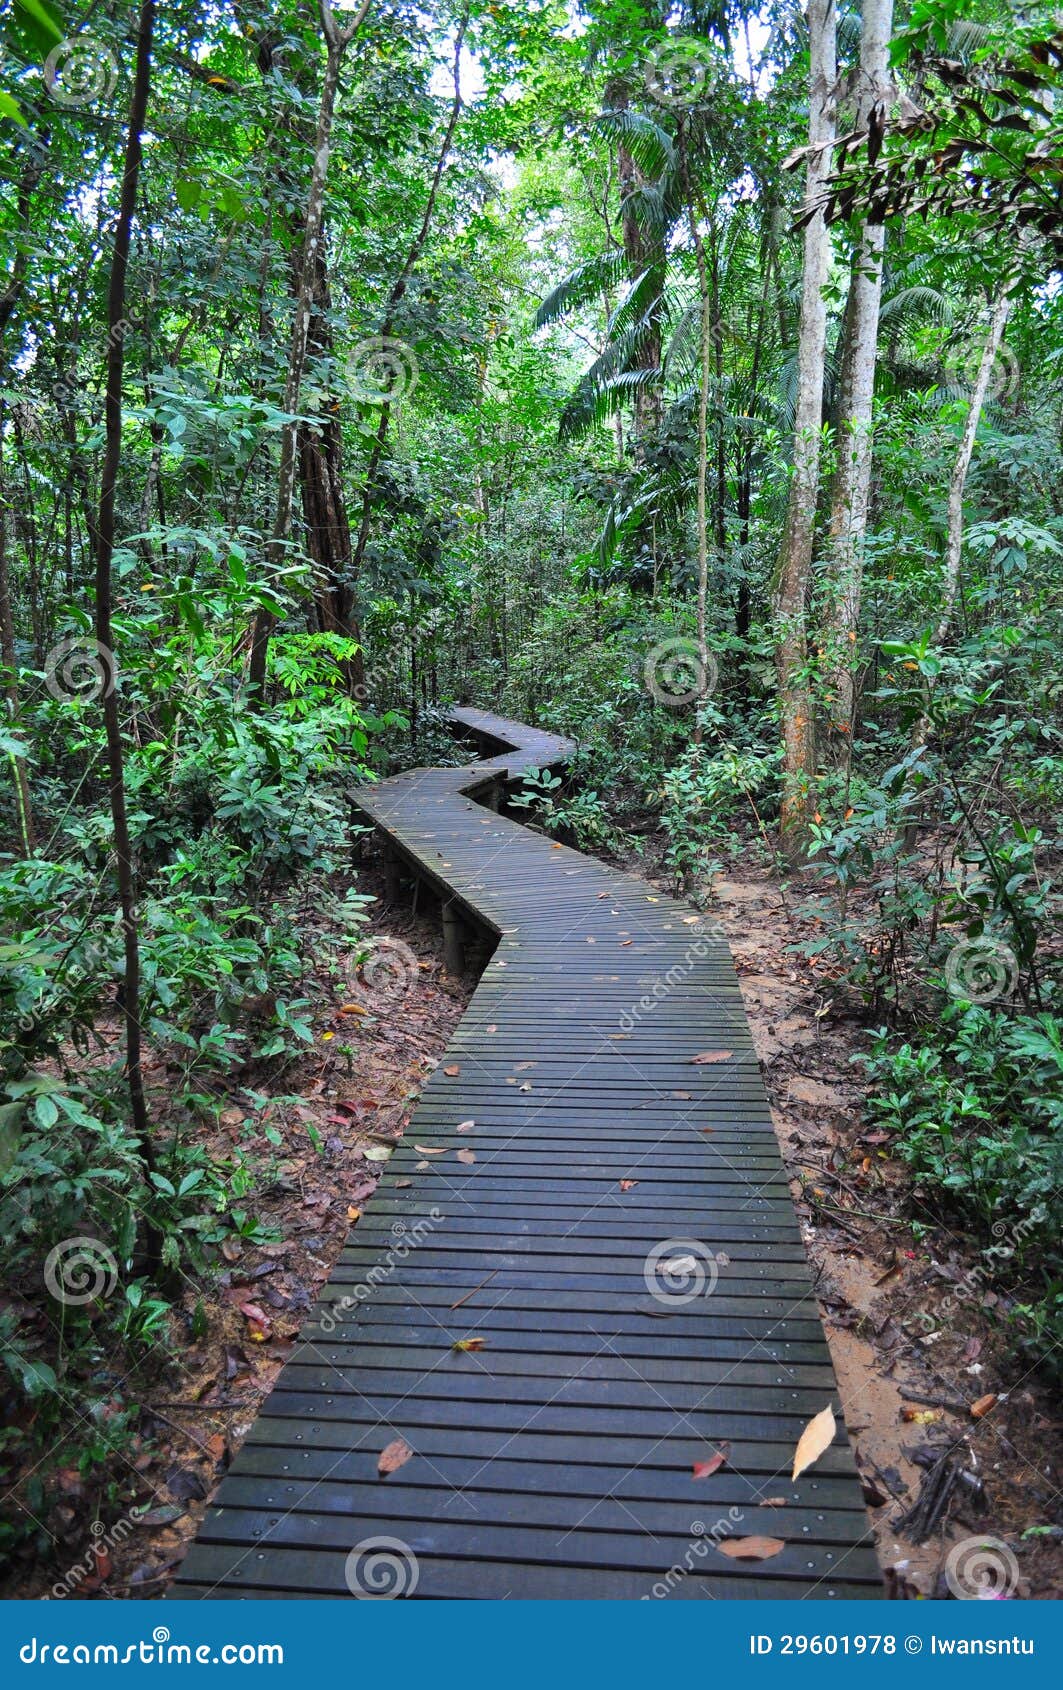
x=958, y=481
x=852, y=481
x=398, y=291
x=336, y=43
x=103, y=547
x=795, y=554
x=23, y=803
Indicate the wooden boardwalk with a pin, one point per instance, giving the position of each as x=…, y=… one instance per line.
x=623, y=1242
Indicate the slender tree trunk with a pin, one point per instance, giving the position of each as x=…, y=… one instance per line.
x=103, y=547
x=795, y=553
x=958, y=481
x=336, y=43
x=23, y=802
x=852, y=482
x=708, y=294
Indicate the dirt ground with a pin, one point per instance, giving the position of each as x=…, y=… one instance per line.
x=930, y=1397
x=929, y=1393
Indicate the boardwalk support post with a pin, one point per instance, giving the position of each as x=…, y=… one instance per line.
x=453, y=940
x=392, y=878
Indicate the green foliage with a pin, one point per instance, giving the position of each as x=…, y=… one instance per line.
x=978, y=1116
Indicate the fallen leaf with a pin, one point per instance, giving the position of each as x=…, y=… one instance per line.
x=353, y=1214
x=393, y=1456
x=465, y=1126
x=920, y=1416
x=454, y=1068
x=377, y=1152
x=430, y=1150
x=628, y=1184
x=400, y=1183
x=352, y=1009
x=493, y=1028
x=706, y=1056
x=817, y=1436
x=750, y=1548
x=684, y=1095
x=705, y=1469
x=983, y=1406
x=232, y=1249
x=678, y=1265
x=624, y=942
x=259, y=1325
x=774, y=1502
x=466, y=1156
x=521, y=1066
x=469, y=1344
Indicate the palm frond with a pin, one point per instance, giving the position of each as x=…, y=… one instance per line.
x=582, y=286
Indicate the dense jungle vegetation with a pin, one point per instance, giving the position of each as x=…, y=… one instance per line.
x=685, y=378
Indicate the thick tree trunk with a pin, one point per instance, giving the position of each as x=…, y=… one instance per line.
x=795, y=553
x=852, y=482
x=397, y=293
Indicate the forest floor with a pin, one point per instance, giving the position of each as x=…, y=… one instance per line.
x=914, y=1349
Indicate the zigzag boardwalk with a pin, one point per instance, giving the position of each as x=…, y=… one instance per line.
x=556, y=1461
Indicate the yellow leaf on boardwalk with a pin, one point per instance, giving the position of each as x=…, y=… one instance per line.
x=817, y=1436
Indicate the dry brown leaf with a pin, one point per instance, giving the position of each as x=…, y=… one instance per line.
x=774, y=1502
x=983, y=1406
x=628, y=1184
x=705, y=1469
x=393, y=1456
x=469, y=1344
x=817, y=1436
x=452, y=1070
x=353, y=1214
x=430, y=1150
x=750, y=1548
x=705, y=1056
x=466, y=1156
x=465, y=1126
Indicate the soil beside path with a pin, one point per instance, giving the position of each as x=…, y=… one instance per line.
x=912, y=1357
